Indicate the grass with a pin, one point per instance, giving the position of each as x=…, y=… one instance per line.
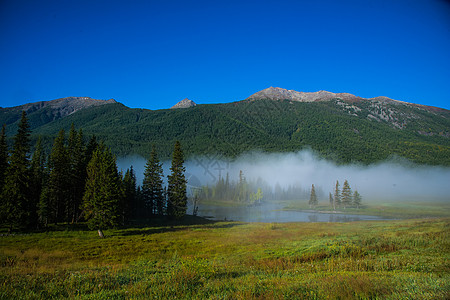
x=397, y=209
x=399, y=259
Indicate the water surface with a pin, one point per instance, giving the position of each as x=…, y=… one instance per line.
x=269, y=213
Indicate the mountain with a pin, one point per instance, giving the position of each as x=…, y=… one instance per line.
x=275, y=93
x=338, y=128
x=42, y=112
x=185, y=103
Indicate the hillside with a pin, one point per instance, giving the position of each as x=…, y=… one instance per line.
x=43, y=112
x=358, y=130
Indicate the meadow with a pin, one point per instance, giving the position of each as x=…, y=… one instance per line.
x=201, y=259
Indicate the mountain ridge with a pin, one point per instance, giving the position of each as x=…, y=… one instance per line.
x=276, y=93
x=345, y=131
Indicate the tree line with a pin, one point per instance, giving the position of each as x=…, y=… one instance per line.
x=345, y=198
x=80, y=181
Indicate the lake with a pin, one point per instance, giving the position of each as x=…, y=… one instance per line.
x=270, y=213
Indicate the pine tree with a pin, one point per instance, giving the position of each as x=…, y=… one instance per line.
x=337, y=196
x=331, y=200
x=152, y=186
x=59, y=181
x=242, y=188
x=37, y=180
x=3, y=157
x=77, y=166
x=357, y=199
x=346, y=194
x=129, y=203
x=176, y=190
x=104, y=192
x=16, y=191
x=90, y=148
x=313, y=197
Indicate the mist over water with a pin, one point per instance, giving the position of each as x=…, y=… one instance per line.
x=382, y=181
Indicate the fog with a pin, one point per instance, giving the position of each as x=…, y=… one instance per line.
x=394, y=179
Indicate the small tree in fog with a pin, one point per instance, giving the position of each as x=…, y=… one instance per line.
x=337, y=195
x=332, y=204
x=313, y=197
x=357, y=199
x=346, y=194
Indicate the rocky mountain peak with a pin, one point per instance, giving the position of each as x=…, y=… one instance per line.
x=275, y=93
x=185, y=103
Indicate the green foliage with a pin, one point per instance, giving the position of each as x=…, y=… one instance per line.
x=346, y=195
x=273, y=126
x=357, y=199
x=3, y=156
x=38, y=179
x=152, y=186
x=337, y=196
x=16, y=189
x=129, y=205
x=104, y=192
x=77, y=167
x=313, y=197
x=176, y=188
x=59, y=181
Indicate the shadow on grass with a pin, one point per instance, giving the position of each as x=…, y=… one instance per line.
x=162, y=224
x=153, y=224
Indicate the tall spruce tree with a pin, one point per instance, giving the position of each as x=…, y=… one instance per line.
x=330, y=197
x=152, y=186
x=176, y=190
x=313, y=197
x=37, y=180
x=346, y=194
x=77, y=165
x=357, y=199
x=16, y=188
x=59, y=181
x=337, y=195
x=104, y=191
x=3, y=157
x=129, y=204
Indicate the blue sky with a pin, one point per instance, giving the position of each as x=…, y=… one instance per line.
x=152, y=54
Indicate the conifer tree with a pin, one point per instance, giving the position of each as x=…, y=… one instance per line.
x=104, y=192
x=16, y=190
x=3, y=157
x=152, y=186
x=337, y=196
x=357, y=199
x=90, y=148
x=332, y=201
x=346, y=194
x=129, y=203
x=37, y=180
x=313, y=197
x=242, y=189
x=77, y=165
x=59, y=181
x=176, y=190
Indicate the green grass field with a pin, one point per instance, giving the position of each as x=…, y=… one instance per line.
x=395, y=209
x=401, y=259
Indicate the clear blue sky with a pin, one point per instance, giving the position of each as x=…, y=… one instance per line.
x=151, y=54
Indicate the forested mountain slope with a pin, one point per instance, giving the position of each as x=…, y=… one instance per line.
x=343, y=130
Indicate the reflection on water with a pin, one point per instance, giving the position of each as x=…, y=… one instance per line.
x=272, y=213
